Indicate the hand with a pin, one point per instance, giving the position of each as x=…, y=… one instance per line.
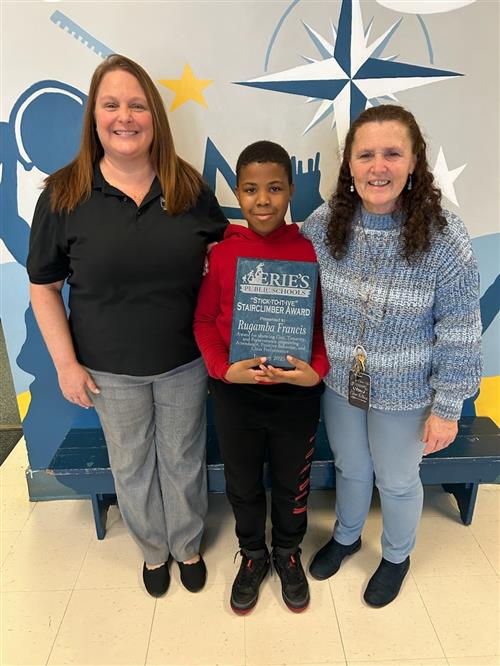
x=245, y=372
x=301, y=375
x=307, y=196
x=74, y=381
x=438, y=433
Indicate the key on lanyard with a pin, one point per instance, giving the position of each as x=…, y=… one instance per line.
x=358, y=364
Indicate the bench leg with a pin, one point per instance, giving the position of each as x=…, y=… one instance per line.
x=465, y=494
x=100, y=506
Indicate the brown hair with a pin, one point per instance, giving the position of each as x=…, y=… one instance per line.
x=421, y=206
x=180, y=182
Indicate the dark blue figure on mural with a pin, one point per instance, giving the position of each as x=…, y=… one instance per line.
x=490, y=306
x=43, y=131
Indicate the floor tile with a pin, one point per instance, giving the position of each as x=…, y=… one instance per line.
x=113, y=519
x=464, y=612
x=107, y=581
x=61, y=514
x=488, y=500
x=15, y=506
x=275, y=635
x=474, y=661
x=437, y=502
x=400, y=662
x=190, y=629
x=402, y=630
x=49, y=560
x=486, y=531
x=7, y=540
x=13, y=469
x=30, y=621
x=437, y=537
x=322, y=663
x=104, y=627
x=221, y=554
x=113, y=562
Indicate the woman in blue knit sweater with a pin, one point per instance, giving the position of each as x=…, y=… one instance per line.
x=402, y=330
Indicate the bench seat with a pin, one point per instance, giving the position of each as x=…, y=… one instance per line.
x=81, y=463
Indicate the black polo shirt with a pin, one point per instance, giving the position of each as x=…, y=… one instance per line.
x=134, y=274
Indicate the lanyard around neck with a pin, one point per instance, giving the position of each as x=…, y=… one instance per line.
x=366, y=292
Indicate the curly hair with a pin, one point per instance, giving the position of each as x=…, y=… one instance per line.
x=420, y=206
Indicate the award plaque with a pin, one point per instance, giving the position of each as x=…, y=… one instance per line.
x=273, y=311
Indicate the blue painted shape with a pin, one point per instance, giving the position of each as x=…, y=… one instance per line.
x=64, y=105
x=427, y=38
x=50, y=416
x=82, y=35
x=43, y=131
x=216, y=162
x=388, y=69
x=380, y=48
x=276, y=31
x=342, y=51
x=490, y=303
x=322, y=89
x=323, y=51
x=14, y=299
x=358, y=102
x=14, y=230
x=306, y=197
x=374, y=68
x=55, y=117
x=48, y=115
x=487, y=251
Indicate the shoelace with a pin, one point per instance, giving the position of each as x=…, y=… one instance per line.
x=248, y=571
x=290, y=567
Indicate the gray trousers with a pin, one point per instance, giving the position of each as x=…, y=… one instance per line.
x=155, y=430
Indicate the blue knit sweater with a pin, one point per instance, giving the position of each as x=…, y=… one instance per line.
x=426, y=348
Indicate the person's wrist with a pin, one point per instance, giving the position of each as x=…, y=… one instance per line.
x=66, y=364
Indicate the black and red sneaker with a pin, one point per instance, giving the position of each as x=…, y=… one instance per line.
x=245, y=590
x=294, y=585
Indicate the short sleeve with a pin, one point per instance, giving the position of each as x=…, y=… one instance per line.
x=217, y=217
x=48, y=260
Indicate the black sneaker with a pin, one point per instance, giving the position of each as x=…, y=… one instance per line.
x=245, y=590
x=328, y=559
x=383, y=587
x=294, y=585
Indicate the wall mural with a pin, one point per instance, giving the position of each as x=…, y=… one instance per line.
x=346, y=69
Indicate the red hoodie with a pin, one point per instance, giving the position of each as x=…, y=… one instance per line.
x=214, y=312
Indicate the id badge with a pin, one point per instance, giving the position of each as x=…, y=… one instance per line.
x=359, y=389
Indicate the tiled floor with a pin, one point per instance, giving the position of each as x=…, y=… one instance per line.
x=70, y=599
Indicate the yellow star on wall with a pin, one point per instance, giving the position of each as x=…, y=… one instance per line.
x=186, y=88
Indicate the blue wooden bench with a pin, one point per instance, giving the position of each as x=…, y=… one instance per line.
x=81, y=463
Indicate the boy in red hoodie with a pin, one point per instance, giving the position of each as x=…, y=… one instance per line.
x=257, y=408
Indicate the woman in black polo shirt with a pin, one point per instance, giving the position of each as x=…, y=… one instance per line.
x=127, y=224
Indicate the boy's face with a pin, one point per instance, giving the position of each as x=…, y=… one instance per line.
x=264, y=193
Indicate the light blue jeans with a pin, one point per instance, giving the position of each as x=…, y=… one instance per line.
x=155, y=429
x=386, y=444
